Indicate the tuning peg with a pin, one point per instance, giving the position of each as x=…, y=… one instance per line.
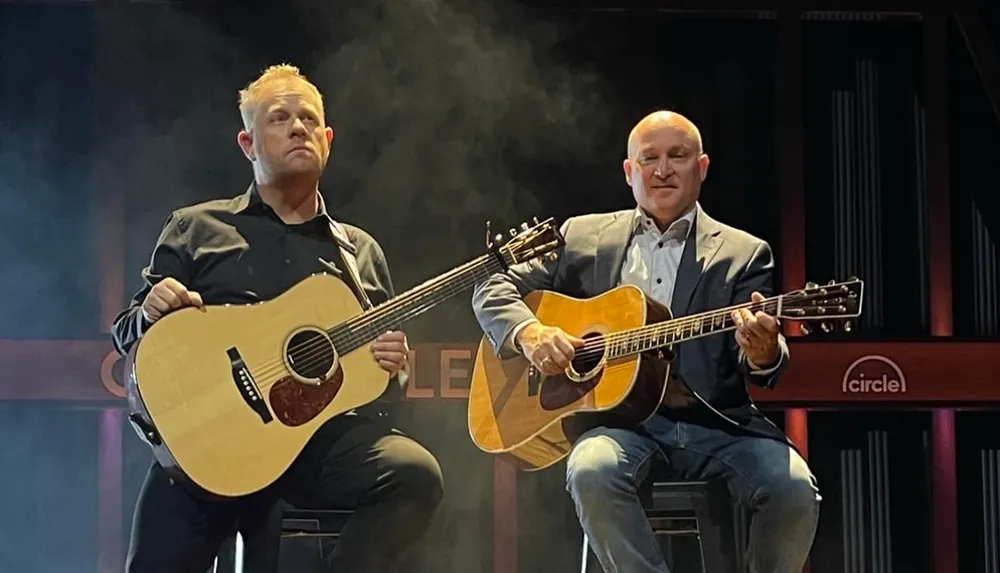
x=811, y=285
x=848, y=326
x=852, y=278
x=831, y=283
x=805, y=329
x=498, y=238
x=513, y=232
x=535, y=220
x=524, y=226
x=826, y=327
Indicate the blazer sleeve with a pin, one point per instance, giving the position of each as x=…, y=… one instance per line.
x=170, y=258
x=498, y=302
x=758, y=276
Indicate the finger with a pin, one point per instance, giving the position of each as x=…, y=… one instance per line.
x=563, y=348
x=196, y=299
x=767, y=322
x=752, y=336
x=742, y=340
x=390, y=366
x=550, y=367
x=188, y=298
x=393, y=335
x=737, y=318
x=390, y=346
x=560, y=359
x=173, y=285
x=397, y=357
x=165, y=300
x=757, y=297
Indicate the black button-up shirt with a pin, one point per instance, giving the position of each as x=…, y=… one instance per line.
x=239, y=251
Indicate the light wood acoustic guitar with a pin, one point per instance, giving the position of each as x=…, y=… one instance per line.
x=621, y=374
x=228, y=395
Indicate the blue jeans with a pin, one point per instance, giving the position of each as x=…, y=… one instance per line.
x=607, y=465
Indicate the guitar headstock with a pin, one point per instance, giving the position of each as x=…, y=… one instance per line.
x=827, y=304
x=530, y=242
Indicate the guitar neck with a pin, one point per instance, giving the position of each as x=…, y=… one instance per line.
x=366, y=327
x=653, y=336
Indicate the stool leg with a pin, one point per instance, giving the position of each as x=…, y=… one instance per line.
x=238, y=554
x=716, y=536
x=583, y=556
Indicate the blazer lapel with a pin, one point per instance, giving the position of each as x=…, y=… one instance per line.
x=612, y=243
x=697, y=256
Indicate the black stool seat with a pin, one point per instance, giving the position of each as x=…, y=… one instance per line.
x=700, y=509
x=314, y=522
x=296, y=524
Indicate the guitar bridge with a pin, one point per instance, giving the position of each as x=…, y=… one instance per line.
x=247, y=386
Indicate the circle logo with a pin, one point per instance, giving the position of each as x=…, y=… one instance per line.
x=873, y=374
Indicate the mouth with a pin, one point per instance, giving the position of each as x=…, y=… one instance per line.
x=299, y=148
x=666, y=186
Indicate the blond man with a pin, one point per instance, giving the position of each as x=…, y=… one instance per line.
x=250, y=248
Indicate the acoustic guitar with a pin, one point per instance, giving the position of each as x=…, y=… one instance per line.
x=620, y=373
x=228, y=395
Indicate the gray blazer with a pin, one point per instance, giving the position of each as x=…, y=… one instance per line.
x=720, y=267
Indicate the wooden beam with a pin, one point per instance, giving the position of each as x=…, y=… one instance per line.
x=505, y=558
x=935, y=95
x=944, y=496
x=788, y=116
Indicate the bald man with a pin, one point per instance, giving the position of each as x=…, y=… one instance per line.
x=710, y=429
x=251, y=248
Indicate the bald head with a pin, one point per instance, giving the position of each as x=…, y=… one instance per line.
x=663, y=120
x=665, y=165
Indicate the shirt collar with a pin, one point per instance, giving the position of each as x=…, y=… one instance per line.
x=251, y=200
x=679, y=229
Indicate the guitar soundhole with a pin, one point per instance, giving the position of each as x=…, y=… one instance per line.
x=588, y=358
x=310, y=354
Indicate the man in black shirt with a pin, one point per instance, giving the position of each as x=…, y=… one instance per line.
x=251, y=248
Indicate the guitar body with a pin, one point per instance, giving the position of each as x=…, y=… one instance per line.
x=534, y=419
x=229, y=395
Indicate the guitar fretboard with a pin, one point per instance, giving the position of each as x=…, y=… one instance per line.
x=368, y=326
x=646, y=338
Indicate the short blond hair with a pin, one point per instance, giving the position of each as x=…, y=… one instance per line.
x=250, y=96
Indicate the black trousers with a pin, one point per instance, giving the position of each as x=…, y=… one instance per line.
x=353, y=462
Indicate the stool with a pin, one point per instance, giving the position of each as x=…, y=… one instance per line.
x=699, y=509
x=295, y=524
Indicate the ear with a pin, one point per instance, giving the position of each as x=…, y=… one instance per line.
x=245, y=140
x=703, y=162
x=329, y=135
x=627, y=167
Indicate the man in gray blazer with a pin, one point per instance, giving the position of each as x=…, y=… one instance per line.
x=679, y=256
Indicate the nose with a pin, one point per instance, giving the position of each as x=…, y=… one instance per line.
x=299, y=127
x=663, y=169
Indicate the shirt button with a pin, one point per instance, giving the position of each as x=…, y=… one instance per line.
x=659, y=281
x=659, y=245
x=288, y=261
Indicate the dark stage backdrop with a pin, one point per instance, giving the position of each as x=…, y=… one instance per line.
x=446, y=119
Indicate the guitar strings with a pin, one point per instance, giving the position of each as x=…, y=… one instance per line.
x=361, y=327
x=319, y=348
x=651, y=333
x=316, y=352
x=644, y=335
